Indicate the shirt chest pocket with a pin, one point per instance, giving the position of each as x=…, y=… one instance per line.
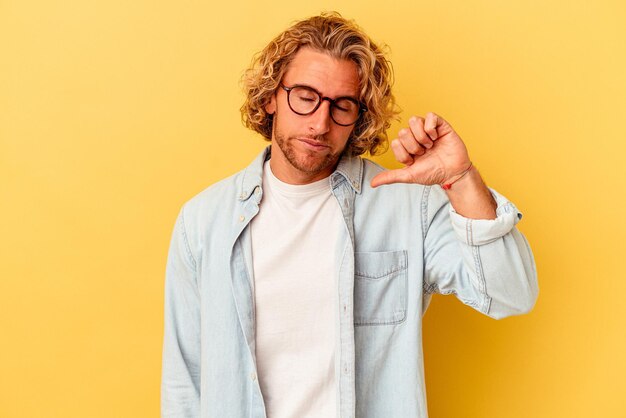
x=380, y=287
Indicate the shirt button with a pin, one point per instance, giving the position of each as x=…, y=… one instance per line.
x=242, y=218
x=253, y=376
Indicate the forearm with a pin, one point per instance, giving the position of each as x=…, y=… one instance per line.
x=470, y=197
x=510, y=275
x=486, y=263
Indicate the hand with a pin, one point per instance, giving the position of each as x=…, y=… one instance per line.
x=431, y=151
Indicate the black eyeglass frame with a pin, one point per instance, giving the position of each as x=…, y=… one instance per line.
x=362, y=107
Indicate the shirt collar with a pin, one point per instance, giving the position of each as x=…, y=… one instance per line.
x=349, y=167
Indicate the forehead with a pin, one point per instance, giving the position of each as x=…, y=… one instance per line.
x=330, y=76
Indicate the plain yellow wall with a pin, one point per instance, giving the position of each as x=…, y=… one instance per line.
x=112, y=114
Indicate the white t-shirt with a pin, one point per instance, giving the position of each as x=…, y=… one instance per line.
x=294, y=249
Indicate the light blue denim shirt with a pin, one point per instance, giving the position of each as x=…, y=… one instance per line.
x=405, y=243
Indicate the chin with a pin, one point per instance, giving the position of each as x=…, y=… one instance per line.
x=312, y=165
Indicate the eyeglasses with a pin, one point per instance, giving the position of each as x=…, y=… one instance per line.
x=305, y=100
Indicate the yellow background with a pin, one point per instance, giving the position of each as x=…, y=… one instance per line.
x=113, y=113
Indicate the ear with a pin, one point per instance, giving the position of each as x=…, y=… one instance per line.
x=270, y=107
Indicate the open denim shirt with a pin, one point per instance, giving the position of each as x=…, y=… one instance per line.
x=405, y=243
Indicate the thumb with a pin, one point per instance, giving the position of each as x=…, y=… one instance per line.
x=400, y=175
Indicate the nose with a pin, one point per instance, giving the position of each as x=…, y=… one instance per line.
x=319, y=121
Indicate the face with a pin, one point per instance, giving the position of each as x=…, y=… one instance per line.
x=307, y=148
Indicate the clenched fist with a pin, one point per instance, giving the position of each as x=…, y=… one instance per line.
x=431, y=151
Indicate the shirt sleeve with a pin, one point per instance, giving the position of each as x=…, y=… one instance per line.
x=487, y=264
x=180, y=379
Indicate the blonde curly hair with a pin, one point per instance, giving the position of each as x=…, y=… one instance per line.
x=341, y=39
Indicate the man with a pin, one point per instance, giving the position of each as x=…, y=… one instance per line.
x=296, y=288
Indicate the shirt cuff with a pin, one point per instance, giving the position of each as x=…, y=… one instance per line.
x=484, y=231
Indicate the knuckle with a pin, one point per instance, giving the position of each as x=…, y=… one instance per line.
x=423, y=138
x=416, y=120
x=410, y=145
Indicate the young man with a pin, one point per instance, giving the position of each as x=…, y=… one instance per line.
x=296, y=288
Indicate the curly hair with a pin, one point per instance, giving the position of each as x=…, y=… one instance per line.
x=341, y=39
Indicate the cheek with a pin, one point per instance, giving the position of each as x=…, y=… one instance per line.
x=339, y=141
x=283, y=122
x=342, y=135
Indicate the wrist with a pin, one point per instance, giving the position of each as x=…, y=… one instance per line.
x=447, y=184
x=471, y=198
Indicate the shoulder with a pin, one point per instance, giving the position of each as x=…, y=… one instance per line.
x=217, y=197
x=209, y=213
x=224, y=195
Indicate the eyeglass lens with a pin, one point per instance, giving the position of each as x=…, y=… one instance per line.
x=304, y=100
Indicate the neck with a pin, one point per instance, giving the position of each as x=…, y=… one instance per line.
x=291, y=175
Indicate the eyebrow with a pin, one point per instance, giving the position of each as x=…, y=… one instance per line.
x=349, y=96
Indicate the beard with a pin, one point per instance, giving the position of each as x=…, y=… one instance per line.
x=307, y=161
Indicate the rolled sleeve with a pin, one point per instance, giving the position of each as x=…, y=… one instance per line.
x=485, y=231
x=487, y=264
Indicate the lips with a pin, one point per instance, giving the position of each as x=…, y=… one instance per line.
x=312, y=143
